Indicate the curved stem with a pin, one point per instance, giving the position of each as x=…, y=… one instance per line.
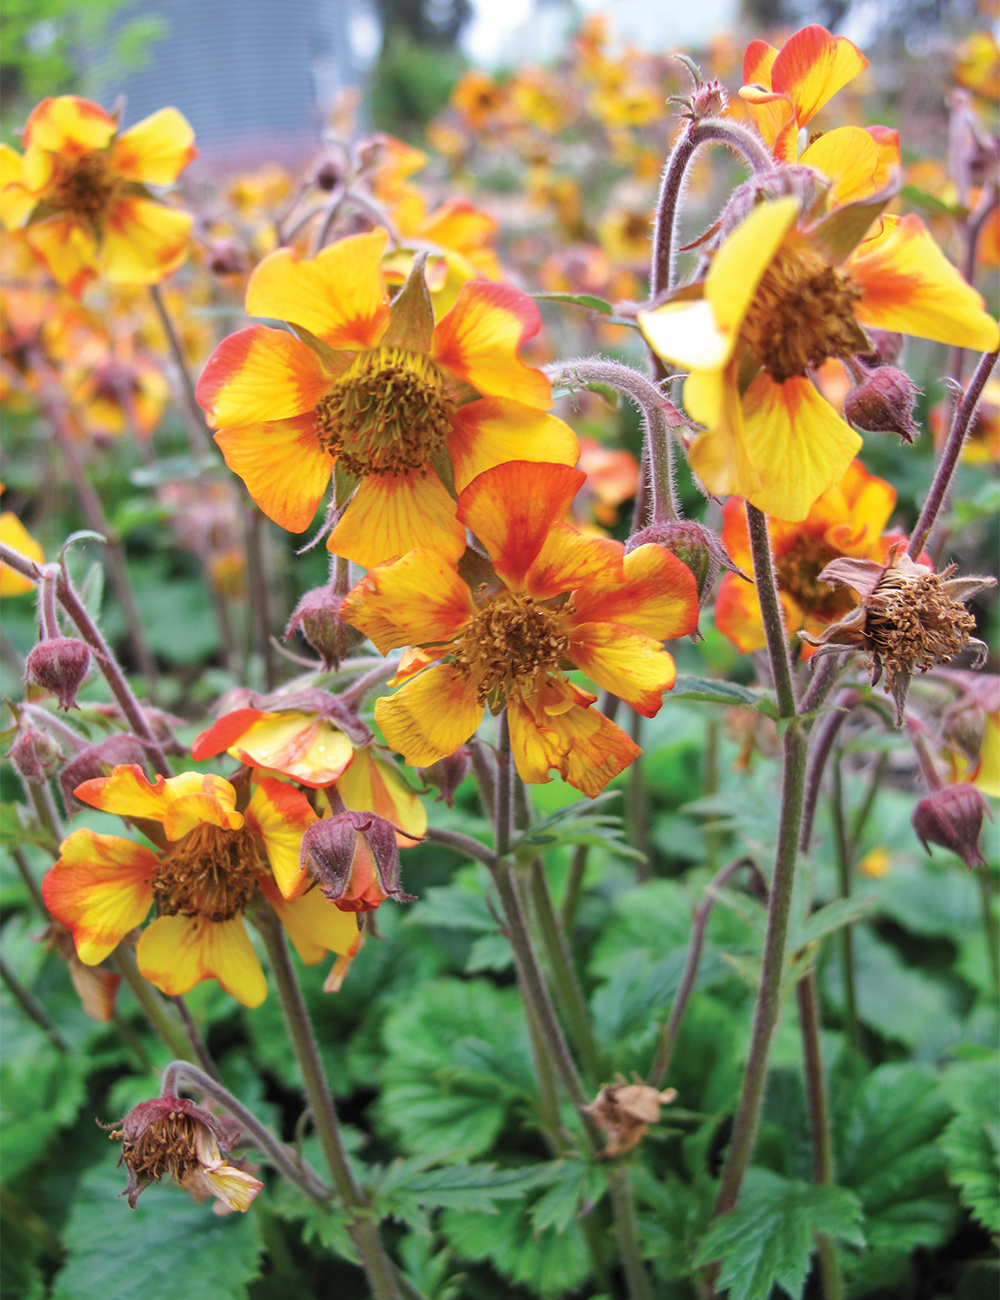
x=32, y=1008
x=503, y=801
x=164, y=1025
x=750, y=147
x=179, y=1073
x=354, y=695
x=462, y=844
x=823, y=738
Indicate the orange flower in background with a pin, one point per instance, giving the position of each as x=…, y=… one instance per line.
x=780, y=297
x=560, y=600
x=79, y=189
x=13, y=533
x=400, y=404
x=846, y=520
x=211, y=863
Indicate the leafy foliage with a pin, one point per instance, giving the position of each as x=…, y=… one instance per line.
x=971, y=1141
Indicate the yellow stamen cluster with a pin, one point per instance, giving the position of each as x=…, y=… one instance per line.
x=509, y=642
x=798, y=570
x=802, y=313
x=912, y=623
x=387, y=415
x=210, y=872
x=87, y=188
x=166, y=1147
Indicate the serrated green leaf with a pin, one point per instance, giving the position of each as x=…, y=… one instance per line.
x=475, y=1187
x=168, y=1247
x=581, y=822
x=575, y=1187
x=767, y=1240
x=971, y=1141
x=835, y=915
x=548, y=1263
x=712, y=690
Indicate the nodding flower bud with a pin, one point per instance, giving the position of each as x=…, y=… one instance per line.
x=354, y=857
x=58, y=665
x=953, y=817
x=447, y=774
x=694, y=545
x=34, y=754
x=226, y=259
x=171, y=1137
x=328, y=174
x=317, y=617
x=883, y=403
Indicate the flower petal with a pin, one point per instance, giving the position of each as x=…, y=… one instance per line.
x=316, y=926
x=850, y=158
x=758, y=60
x=579, y=743
x=720, y=457
x=415, y=600
x=372, y=784
x=773, y=114
x=67, y=249
x=311, y=750
x=16, y=199
x=511, y=509
x=812, y=66
x=176, y=952
x=68, y=125
x=13, y=533
x=156, y=150
x=101, y=887
x=797, y=442
x=339, y=295
x=129, y=793
x=224, y=733
x=391, y=514
x=739, y=265
x=630, y=664
x=260, y=374
x=142, y=242
x=479, y=339
x=429, y=716
x=235, y=1188
x=688, y=334
x=907, y=284
x=737, y=613
x=495, y=429
x=656, y=594
x=284, y=466
x=570, y=559
x=280, y=815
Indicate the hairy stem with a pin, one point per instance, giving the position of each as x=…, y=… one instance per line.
x=845, y=938
x=638, y=807
x=820, y=1130
x=574, y=888
x=157, y=1012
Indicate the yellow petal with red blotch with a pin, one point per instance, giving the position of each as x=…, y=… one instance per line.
x=457, y=224
x=850, y=158
x=225, y=733
x=737, y=614
x=656, y=595
x=339, y=295
x=129, y=793
x=417, y=599
x=156, y=150
x=758, y=60
x=735, y=534
x=773, y=114
x=316, y=926
x=280, y=815
x=570, y=559
x=391, y=514
x=720, y=457
x=261, y=374
x=630, y=664
x=479, y=339
x=511, y=509
x=101, y=887
x=374, y=785
x=311, y=750
x=870, y=501
x=14, y=534
x=67, y=249
x=907, y=284
x=890, y=159
x=414, y=660
x=16, y=198
x=580, y=744
x=495, y=429
x=235, y=1188
x=142, y=242
x=739, y=265
x=987, y=771
x=812, y=66
x=176, y=952
x=429, y=716
x=200, y=809
x=798, y=443
x=68, y=125
x=284, y=466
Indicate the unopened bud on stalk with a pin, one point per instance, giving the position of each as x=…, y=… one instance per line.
x=354, y=857
x=58, y=665
x=447, y=774
x=328, y=174
x=226, y=259
x=694, y=545
x=34, y=754
x=953, y=817
x=883, y=403
x=317, y=617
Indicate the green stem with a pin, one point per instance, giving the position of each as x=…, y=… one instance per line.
x=574, y=888
x=32, y=1008
x=990, y=927
x=845, y=938
x=30, y=883
x=569, y=995
x=363, y=1229
x=638, y=807
x=820, y=1129
x=860, y=821
x=623, y=1209
x=197, y=434
x=157, y=1013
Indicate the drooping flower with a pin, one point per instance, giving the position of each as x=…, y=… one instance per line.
x=559, y=599
x=79, y=189
x=781, y=296
x=210, y=865
x=846, y=520
x=401, y=405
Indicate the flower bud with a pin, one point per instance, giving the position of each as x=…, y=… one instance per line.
x=328, y=174
x=355, y=858
x=883, y=403
x=58, y=665
x=226, y=258
x=886, y=348
x=317, y=617
x=694, y=545
x=34, y=754
x=447, y=774
x=708, y=99
x=953, y=818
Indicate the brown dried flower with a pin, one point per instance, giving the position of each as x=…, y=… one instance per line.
x=625, y=1111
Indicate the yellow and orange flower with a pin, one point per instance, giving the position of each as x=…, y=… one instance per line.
x=79, y=189
x=780, y=297
x=13, y=533
x=400, y=404
x=211, y=863
x=559, y=600
x=846, y=520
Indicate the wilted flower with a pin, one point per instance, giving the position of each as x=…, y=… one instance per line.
x=953, y=818
x=625, y=1111
x=355, y=859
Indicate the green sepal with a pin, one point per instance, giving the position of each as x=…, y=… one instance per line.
x=411, y=314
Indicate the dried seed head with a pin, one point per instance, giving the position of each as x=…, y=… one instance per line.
x=58, y=665
x=883, y=403
x=953, y=818
x=625, y=1111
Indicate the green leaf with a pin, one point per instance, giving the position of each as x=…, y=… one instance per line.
x=168, y=1247
x=929, y=202
x=172, y=469
x=767, y=1239
x=578, y=823
x=408, y=1184
x=835, y=915
x=971, y=1142
x=548, y=1263
x=576, y=1188
x=322, y=1225
x=577, y=300
x=712, y=690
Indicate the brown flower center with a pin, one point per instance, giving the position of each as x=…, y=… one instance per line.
x=387, y=415
x=86, y=188
x=801, y=314
x=210, y=872
x=798, y=574
x=167, y=1147
x=509, y=642
x=913, y=623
